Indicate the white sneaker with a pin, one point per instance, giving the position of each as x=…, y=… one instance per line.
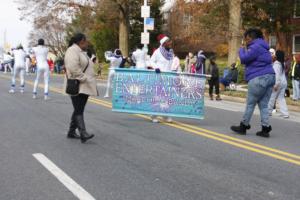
x=11, y=91
x=169, y=119
x=154, y=120
x=106, y=96
x=34, y=96
x=274, y=111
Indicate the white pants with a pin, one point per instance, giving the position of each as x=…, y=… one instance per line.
x=296, y=90
x=21, y=71
x=45, y=72
x=27, y=66
x=109, y=81
x=279, y=96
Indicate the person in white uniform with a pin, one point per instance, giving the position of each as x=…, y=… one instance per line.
x=115, y=61
x=280, y=86
x=7, y=62
x=161, y=61
x=41, y=53
x=139, y=57
x=19, y=68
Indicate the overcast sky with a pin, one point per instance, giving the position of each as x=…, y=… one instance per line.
x=16, y=30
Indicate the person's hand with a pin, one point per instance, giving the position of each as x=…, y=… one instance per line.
x=149, y=67
x=276, y=88
x=157, y=70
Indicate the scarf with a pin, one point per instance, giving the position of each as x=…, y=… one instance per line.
x=167, y=54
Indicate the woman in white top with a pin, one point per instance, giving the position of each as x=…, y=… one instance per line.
x=176, y=64
x=19, y=68
x=139, y=56
x=280, y=86
x=41, y=53
x=115, y=61
x=7, y=62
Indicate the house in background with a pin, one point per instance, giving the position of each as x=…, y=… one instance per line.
x=290, y=42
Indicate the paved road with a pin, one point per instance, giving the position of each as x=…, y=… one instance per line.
x=133, y=159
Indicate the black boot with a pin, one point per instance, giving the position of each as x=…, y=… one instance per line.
x=84, y=136
x=264, y=131
x=72, y=129
x=241, y=129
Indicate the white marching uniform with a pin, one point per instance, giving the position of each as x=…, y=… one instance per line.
x=7, y=60
x=19, y=68
x=115, y=62
x=41, y=53
x=139, y=56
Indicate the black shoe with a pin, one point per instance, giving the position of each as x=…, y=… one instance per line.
x=241, y=129
x=73, y=135
x=72, y=129
x=84, y=136
x=264, y=131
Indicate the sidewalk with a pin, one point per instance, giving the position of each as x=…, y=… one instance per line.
x=241, y=88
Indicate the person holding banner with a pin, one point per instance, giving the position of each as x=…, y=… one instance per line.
x=161, y=61
x=115, y=62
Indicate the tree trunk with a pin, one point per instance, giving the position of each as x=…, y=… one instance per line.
x=123, y=34
x=234, y=30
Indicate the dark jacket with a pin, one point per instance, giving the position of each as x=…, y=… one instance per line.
x=232, y=75
x=213, y=70
x=296, y=72
x=257, y=59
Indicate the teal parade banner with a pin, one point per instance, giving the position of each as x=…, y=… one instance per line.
x=163, y=94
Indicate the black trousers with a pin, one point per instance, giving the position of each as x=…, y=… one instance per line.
x=79, y=103
x=214, y=82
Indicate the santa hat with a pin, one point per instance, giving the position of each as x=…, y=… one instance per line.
x=162, y=38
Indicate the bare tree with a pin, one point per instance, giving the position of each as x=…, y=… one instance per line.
x=50, y=19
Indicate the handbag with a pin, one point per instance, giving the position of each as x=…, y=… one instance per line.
x=73, y=84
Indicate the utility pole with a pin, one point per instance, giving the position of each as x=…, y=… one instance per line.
x=145, y=36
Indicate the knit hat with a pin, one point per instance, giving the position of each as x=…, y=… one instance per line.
x=162, y=38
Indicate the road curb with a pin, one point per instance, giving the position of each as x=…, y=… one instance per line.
x=243, y=100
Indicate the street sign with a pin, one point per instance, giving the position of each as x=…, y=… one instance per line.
x=145, y=38
x=145, y=11
x=149, y=24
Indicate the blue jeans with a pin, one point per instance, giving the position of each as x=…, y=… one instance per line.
x=296, y=90
x=259, y=92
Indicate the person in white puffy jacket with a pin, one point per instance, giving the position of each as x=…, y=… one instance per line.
x=161, y=61
x=280, y=86
x=139, y=57
x=115, y=62
x=19, y=68
x=41, y=54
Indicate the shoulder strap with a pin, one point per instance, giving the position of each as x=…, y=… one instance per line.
x=86, y=65
x=84, y=68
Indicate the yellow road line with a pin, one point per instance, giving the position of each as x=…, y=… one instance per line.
x=264, y=150
x=220, y=135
